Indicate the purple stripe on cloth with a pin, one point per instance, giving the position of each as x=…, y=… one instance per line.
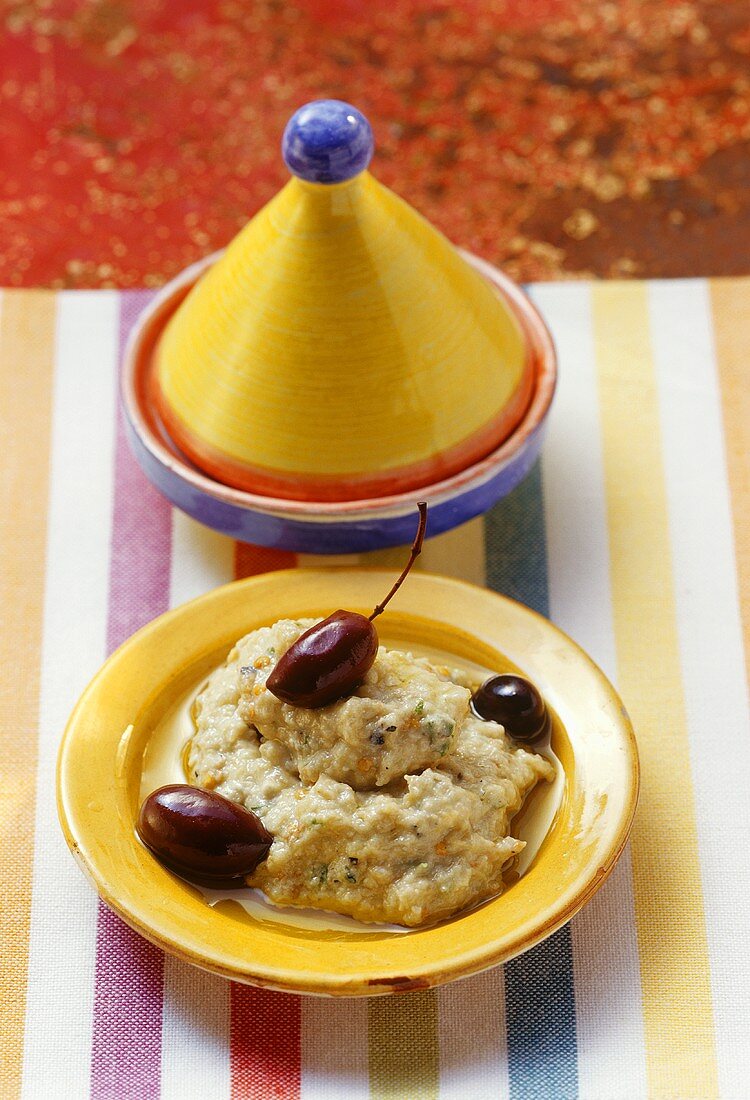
x=126, y=1043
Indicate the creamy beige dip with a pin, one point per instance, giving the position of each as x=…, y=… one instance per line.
x=393, y=804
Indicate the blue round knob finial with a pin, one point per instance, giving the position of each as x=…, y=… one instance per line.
x=327, y=141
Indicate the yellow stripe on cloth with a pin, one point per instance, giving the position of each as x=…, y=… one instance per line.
x=403, y=1045
x=27, y=325
x=730, y=304
x=677, y=1009
x=403, y=1042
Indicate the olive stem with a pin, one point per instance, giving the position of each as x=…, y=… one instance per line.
x=416, y=550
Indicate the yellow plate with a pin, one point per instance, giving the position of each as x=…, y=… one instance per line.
x=101, y=759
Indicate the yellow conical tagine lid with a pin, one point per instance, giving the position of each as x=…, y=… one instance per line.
x=340, y=348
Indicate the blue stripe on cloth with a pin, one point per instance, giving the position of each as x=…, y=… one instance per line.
x=539, y=993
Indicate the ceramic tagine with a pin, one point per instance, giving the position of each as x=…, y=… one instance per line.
x=339, y=360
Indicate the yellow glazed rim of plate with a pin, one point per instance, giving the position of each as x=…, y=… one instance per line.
x=100, y=762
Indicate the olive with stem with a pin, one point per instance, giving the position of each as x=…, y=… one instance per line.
x=332, y=658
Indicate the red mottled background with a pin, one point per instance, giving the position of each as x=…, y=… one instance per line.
x=557, y=137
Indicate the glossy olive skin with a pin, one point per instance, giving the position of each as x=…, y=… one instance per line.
x=202, y=835
x=326, y=662
x=516, y=704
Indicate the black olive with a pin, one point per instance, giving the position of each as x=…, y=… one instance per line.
x=201, y=835
x=331, y=658
x=325, y=662
x=516, y=704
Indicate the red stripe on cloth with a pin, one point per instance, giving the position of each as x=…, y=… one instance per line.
x=126, y=1042
x=265, y=1026
x=251, y=560
x=265, y=1044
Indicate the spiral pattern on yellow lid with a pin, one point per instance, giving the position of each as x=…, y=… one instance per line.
x=341, y=347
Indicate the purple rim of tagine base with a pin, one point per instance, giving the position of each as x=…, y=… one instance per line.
x=341, y=527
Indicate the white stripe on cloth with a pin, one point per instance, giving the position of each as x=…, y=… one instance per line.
x=472, y=1038
x=195, y=1021
x=59, y=999
x=334, y=1033
x=711, y=648
x=471, y=1012
x=202, y=559
x=334, y=1056
x=609, y=1018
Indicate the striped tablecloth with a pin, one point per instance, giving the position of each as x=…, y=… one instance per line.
x=633, y=536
